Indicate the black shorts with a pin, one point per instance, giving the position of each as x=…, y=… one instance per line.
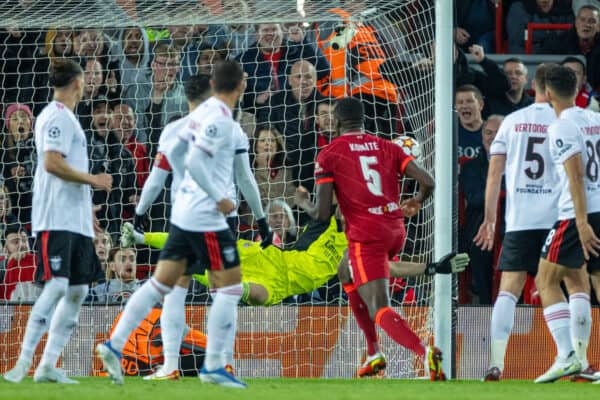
x=68, y=255
x=202, y=250
x=563, y=247
x=521, y=250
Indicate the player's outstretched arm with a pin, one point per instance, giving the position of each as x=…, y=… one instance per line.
x=451, y=263
x=485, y=236
x=411, y=207
x=247, y=184
x=589, y=241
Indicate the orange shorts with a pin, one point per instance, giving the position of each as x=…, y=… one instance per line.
x=369, y=261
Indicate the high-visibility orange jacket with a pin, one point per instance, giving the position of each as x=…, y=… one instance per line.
x=355, y=68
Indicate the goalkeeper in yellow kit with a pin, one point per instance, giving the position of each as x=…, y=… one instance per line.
x=271, y=274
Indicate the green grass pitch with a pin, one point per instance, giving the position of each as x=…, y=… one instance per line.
x=291, y=389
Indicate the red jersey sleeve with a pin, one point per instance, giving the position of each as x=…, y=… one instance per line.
x=403, y=158
x=162, y=162
x=323, y=168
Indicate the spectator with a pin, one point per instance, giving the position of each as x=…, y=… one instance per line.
x=325, y=122
x=491, y=82
x=274, y=179
x=473, y=179
x=103, y=246
x=208, y=57
x=108, y=155
x=522, y=12
x=182, y=39
x=121, y=280
x=577, y=4
x=475, y=21
x=92, y=43
x=469, y=103
x=122, y=125
x=159, y=96
x=586, y=96
x=93, y=78
x=20, y=267
x=238, y=37
x=19, y=159
x=57, y=43
x=583, y=39
x=17, y=52
x=282, y=222
x=133, y=56
x=268, y=63
x=293, y=112
x=516, y=97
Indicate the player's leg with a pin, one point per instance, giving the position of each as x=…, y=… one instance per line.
x=171, y=265
x=51, y=245
x=172, y=325
x=375, y=360
x=557, y=315
x=220, y=253
x=578, y=287
x=503, y=315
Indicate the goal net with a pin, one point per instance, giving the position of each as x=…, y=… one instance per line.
x=299, y=57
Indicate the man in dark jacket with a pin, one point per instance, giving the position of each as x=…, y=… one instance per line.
x=473, y=178
x=582, y=39
x=268, y=64
x=515, y=98
x=492, y=82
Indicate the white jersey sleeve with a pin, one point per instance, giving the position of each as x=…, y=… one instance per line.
x=565, y=140
x=58, y=134
x=500, y=144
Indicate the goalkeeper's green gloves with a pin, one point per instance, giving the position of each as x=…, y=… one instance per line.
x=449, y=264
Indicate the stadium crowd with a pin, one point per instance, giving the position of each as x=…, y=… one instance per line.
x=134, y=87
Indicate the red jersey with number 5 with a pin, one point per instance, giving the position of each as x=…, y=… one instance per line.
x=365, y=172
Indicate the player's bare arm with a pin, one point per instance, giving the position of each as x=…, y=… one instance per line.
x=302, y=200
x=324, y=201
x=589, y=241
x=485, y=236
x=55, y=164
x=410, y=207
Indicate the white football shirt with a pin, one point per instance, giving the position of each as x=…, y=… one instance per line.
x=577, y=131
x=212, y=129
x=531, y=180
x=59, y=205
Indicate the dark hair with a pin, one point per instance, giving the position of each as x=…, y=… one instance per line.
x=468, y=88
x=227, y=76
x=540, y=76
x=349, y=112
x=197, y=87
x=14, y=228
x=513, y=60
x=328, y=101
x=574, y=60
x=562, y=81
x=63, y=72
x=279, y=158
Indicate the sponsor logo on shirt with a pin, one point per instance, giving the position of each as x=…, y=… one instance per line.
x=211, y=131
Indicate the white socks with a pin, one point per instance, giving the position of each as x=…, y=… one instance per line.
x=581, y=325
x=62, y=325
x=503, y=317
x=136, y=309
x=172, y=324
x=222, y=320
x=558, y=320
x=41, y=315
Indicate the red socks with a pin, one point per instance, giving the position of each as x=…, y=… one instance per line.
x=361, y=314
x=397, y=328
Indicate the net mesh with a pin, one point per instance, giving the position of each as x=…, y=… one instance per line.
x=136, y=56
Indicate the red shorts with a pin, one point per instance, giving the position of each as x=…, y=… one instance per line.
x=369, y=261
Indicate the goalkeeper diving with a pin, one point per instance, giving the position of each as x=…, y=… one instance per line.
x=270, y=275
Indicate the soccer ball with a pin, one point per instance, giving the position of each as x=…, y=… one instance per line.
x=409, y=145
